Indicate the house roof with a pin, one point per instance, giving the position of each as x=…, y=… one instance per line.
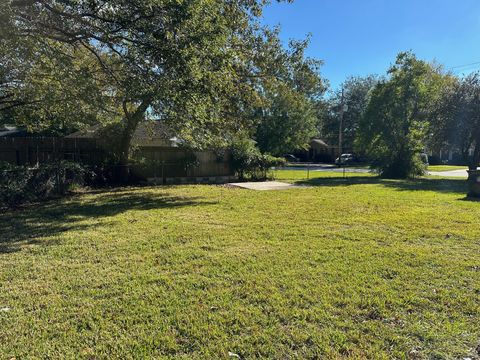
x=153, y=130
x=145, y=131
x=11, y=131
x=319, y=142
x=91, y=132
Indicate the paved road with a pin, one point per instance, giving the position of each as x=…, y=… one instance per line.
x=333, y=168
x=325, y=168
x=453, y=173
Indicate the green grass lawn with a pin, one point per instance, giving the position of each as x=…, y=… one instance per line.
x=355, y=268
x=446, y=167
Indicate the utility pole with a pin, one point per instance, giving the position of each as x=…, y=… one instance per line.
x=340, y=127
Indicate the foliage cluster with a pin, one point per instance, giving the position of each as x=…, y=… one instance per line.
x=394, y=127
x=287, y=119
x=208, y=69
x=249, y=163
x=417, y=107
x=21, y=184
x=455, y=118
x=353, y=95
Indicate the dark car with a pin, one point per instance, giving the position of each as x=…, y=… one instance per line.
x=291, y=158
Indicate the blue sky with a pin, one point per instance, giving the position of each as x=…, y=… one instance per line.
x=360, y=37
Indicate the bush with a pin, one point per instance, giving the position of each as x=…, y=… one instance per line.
x=22, y=184
x=249, y=163
x=399, y=166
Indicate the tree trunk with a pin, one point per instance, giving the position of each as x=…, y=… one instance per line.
x=476, y=152
x=131, y=121
x=476, y=157
x=473, y=173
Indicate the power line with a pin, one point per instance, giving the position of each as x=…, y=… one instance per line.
x=467, y=70
x=466, y=65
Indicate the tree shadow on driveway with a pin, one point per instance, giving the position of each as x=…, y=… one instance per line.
x=32, y=224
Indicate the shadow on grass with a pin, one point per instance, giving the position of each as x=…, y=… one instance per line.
x=457, y=186
x=33, y=224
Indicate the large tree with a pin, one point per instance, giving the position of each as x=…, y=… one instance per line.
x=394, y=127
x=455, y=121
x=353, y=93
x=287, y=119
x=58, y=94
x=193, y=64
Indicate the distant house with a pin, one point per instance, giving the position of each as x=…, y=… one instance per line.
x=147, y=134
x=318, y=151
x=11, y=131
x=449, y=155
x=161, y=156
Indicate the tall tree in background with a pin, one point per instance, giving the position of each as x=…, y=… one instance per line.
x=394, y=127
x=287, y=120
x=455, y=121
x=355, y=96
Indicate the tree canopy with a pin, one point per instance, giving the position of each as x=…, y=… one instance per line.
x=455, y=120
x=287, y=118
x=354, y=95
x=395, y=124
x=211, y=71
x=200, y=66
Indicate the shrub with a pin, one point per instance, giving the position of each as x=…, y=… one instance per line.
x=400, y=165
x=21, y=184
x=249, y=163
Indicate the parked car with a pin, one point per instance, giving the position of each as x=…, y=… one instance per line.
x=291, y=158
x=344, y=159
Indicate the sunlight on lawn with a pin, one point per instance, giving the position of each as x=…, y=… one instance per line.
x=355, y=268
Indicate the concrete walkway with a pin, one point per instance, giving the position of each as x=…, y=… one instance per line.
x=265, y=185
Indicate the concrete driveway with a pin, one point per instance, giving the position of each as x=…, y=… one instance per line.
x=454, y=173
x=265, y=185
